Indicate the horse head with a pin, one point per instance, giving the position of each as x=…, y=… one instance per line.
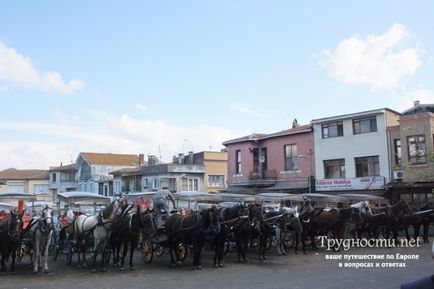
x=47, y=218
x=210, y=219
x=15, y=224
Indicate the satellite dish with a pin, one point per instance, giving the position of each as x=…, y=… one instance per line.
x=261, y=159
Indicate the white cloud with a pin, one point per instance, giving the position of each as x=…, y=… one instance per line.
x=424, y=96
x=40, y=145
x=377, y=60
x=16, y=70
x=141, y=108
x=246, y=110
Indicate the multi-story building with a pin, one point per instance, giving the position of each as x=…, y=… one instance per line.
x=352, y=151
x=281, y=161
x=25, y=181
x=93, y=170
x=412, y=154
x=63, y=179
x=203, y=171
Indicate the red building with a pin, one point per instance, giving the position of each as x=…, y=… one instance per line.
x=280, y=162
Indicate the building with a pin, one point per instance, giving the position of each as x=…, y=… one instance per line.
x=203, y=171
x=93, y=170
x=25, y=181
x=216, y=169
x=352, y=151
x=281, y=161
x=412, y=154
x=63, y=179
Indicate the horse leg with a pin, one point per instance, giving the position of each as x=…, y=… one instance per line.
x=124, y=254
x=46, y=248
x=133, y=245
x=278, y=235
x=36, y=254
x=426, y=224
x=3, y=261
x=95, y=254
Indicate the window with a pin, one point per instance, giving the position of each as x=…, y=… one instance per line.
x=216, y=181
x=291, y=157
x=193, y=184
x=334, y=169
x=397, y=151
x=54, y=177
x=367, y=166
x=364, y=125
x=156, y=184
x=238, y=162
x=332, y=129
x=145, y=183
x=416, y=149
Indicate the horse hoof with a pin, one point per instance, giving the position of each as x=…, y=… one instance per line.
x=199, y=267
x=121, y=269
x=220, y=265
x=132, y=268
x=216, y=265
x=173, y=265
x=104, y=269
x=240, y=261
x=245, y=260
x=178, y=264
x=46, y=271
x=93, y=270
x=35, y=272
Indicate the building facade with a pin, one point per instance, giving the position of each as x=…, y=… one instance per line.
x=216, y=169
x=281, y=161
x=25, y=181
x=93, y=170
x=63, y=179
x=412, y=157
x=352, y=151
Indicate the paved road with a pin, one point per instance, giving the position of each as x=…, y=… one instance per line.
x=291, y=271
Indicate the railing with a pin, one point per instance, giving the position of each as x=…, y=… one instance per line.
x=265, y=175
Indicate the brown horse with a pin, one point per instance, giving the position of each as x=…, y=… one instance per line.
x=10, y=233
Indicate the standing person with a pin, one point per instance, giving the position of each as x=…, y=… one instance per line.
x=160, y=205
x=56, y=230
x=423, y=283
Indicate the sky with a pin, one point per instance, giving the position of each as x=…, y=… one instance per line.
x=164, y=77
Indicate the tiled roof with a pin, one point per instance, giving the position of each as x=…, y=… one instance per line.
x=261, y=136
x=14, y=174
x=420, y=108
x=111, y=159
x=70, y=167
x=126, y=171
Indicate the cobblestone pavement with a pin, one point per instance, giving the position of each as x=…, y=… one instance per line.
x=314, y=270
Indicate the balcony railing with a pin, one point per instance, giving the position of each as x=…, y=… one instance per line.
x=264, y=175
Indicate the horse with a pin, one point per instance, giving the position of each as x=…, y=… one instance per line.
x=99, y=227
x=191, y=230
x=394, y=214
x=229, y=219
x=40, y=230
x=125, y=231
x=288, y=223
x=10, y=232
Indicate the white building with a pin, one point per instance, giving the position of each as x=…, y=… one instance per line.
x=352, y=150
x=93, y=170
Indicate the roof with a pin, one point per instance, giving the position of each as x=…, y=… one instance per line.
x=70, y=167
x=14, y=174
x=420, y=108
x=352, y=115
x=261, y=136
x=111, y=159
x=126, y=171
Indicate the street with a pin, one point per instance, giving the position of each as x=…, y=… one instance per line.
x=313, y=270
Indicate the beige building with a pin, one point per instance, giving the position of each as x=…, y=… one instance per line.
x=25, y=181
x=216, y=169
x=412, y=154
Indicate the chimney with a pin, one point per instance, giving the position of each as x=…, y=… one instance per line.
x=141, y=159
x=180, y=159
x=175, y=159
x=152, y=160
x=416, y=103
x=190, y=158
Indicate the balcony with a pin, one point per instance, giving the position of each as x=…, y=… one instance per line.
x=265, y=175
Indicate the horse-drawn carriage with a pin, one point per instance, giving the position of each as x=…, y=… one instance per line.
x=78, y=203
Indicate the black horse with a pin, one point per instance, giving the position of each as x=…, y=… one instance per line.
x=230, y=218
x=125, y=234
x=191, y=230
x=10, y=235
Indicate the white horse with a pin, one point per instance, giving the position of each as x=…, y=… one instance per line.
x=363, y=207
x=40, y=231
x=99, y=227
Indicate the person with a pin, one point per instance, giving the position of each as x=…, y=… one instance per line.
x=422, y=283
x=160, y=205
x=56, y=229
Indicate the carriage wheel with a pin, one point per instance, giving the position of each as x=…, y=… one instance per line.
x=226, y=247
x=288, y=240
x=182, y=251
x=147, y=251
x=20, y=252
x=269, y=243
x=159, y=250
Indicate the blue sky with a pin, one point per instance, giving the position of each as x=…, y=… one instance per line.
x=159, y=77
